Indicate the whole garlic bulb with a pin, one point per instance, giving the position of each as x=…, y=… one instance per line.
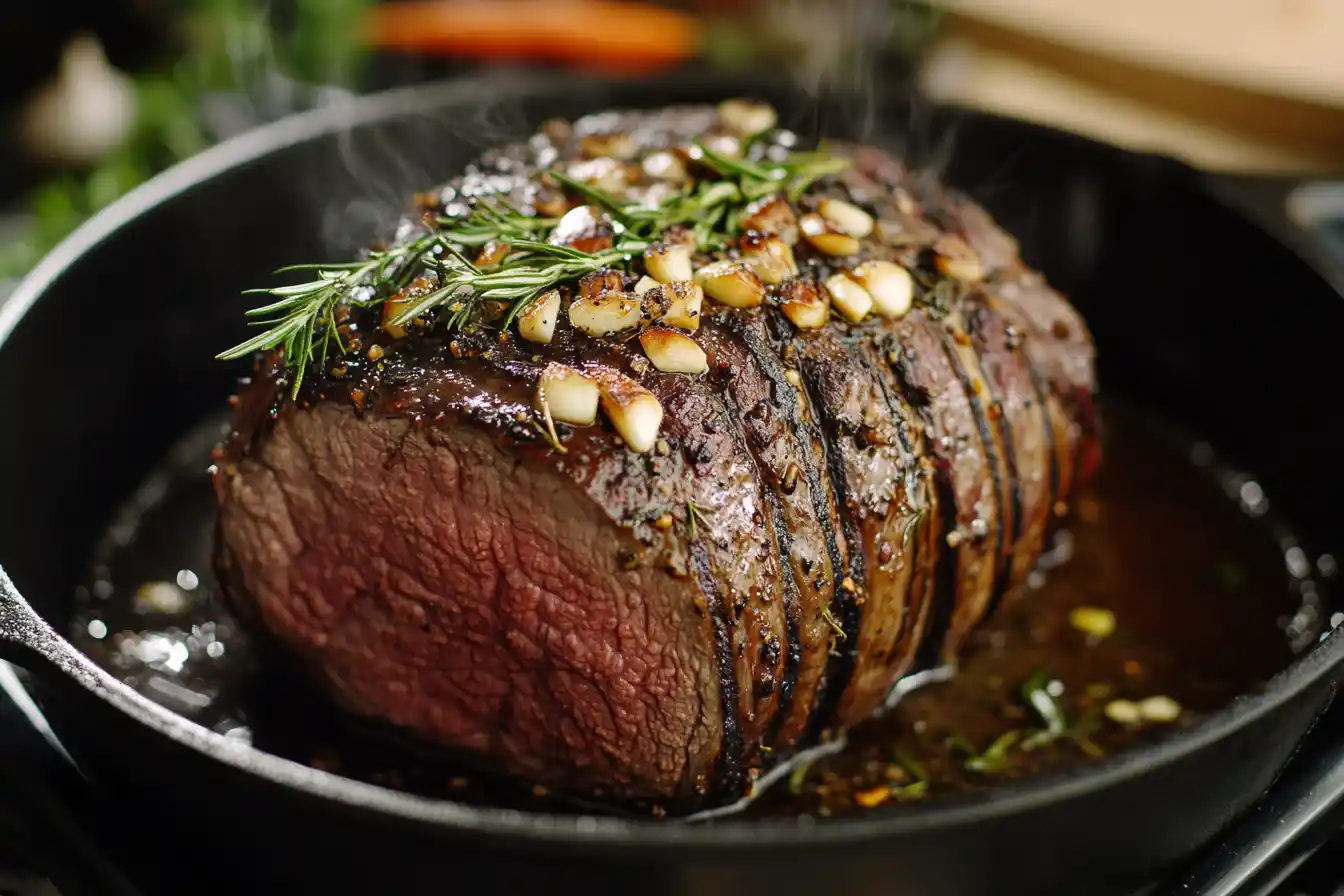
x=85, y=113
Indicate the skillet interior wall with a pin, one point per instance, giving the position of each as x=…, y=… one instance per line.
x=1195, y=311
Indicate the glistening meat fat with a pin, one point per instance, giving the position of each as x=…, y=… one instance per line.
x=651, y=451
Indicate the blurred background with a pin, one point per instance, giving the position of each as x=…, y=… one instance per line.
x=98, y=95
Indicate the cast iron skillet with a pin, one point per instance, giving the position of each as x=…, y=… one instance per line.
x=106, y=355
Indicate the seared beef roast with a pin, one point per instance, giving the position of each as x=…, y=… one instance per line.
x=819, y=461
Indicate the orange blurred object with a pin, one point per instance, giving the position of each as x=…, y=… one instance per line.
x=601, y=35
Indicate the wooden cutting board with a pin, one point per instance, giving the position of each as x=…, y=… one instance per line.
x=1247, y=85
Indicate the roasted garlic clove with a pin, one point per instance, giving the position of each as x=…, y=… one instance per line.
x=584, y=227
x=684, y=300
x=772, y=214
x=824, y=237
x=807, y=307
x=846, y=217
x=731, y=284
x=890, y=285
x=769, y=256
x=634, y=411
x=567, y=396
x=537, y=322
x=667, y=262
x=492, y=253
x=746, y=117
x=673, y=352
x=615, y=146
x=955, y=258
x=849, y=298
x=606, y=314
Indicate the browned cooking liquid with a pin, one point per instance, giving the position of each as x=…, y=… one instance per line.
x=1167, y=596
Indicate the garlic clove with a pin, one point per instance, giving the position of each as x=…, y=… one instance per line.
x=492, y=253
x=567, y=395
x=849, y=298
x=596, y=283
x=954, y=257
x=773, y=214
x=634, y=411
x=584, y=227
x=686, y=297
x=768, y=256
x=614, y=145
x=537, y=322
x=86, y=112
x=673, y=352
x=846, y=217
x=807, y=307
x=667, y=262
x=727, y=145
x=890, y=285
x=745, y=117
x=392, y=309
x=664, y=166
x=825, y=238
x=731, y=284
x=606, y=314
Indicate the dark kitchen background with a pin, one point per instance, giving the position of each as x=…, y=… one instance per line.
x=98, y=95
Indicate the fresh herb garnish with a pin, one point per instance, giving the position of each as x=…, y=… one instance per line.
x=916, y=789
x=1038, y=692
x=830, y=619
x=993, y=759
x=302, y=321
x=798, y=777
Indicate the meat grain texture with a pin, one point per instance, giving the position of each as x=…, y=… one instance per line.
x=825, y=510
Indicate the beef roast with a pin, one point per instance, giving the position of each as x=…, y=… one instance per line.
x=827, y=507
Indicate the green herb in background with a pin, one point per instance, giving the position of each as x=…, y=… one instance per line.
x=231, y=46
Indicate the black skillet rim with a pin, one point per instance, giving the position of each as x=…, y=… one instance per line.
x=542, y=828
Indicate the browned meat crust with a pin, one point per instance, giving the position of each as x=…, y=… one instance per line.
x=824, y=510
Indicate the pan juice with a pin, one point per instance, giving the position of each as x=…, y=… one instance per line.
x=1166, y=595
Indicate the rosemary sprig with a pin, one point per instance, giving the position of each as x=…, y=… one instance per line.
x=539, y=267
x=302, y=320
x=494, y=219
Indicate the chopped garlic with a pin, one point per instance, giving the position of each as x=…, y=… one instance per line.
x=1123, y=712
x=1098, y=622
x=1159, y=709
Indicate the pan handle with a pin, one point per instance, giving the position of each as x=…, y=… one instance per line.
x=1305, y=214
